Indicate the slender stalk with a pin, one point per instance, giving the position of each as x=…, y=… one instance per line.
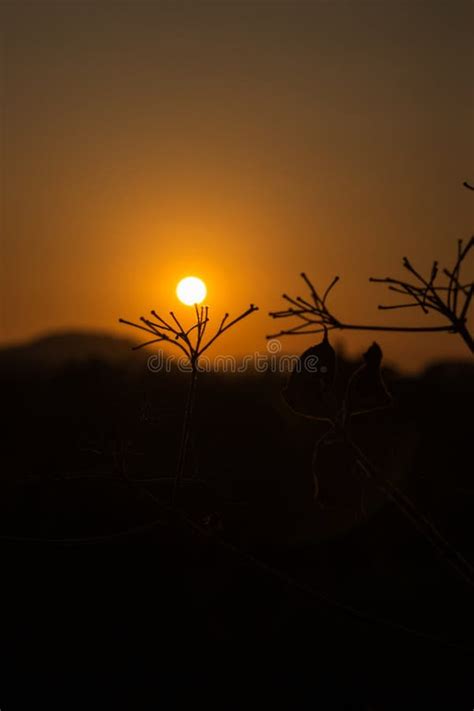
x=186, y=432
x=359, y=327
x=422, y=524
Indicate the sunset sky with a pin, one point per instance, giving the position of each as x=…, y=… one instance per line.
x=242, y=142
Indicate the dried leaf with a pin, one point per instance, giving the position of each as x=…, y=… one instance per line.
x=310, y=386
x=366, y=390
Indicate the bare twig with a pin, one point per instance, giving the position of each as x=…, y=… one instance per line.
x=451, y=301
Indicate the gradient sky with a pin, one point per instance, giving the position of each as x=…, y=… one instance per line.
x=242, y=142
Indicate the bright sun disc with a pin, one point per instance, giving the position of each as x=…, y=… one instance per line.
x=191, y=290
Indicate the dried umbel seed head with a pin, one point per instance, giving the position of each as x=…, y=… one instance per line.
x=191, y=340
x=450, y=299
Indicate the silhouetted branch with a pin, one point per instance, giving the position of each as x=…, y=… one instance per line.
x=178, y=336
x=451, y=301
x=222, y=329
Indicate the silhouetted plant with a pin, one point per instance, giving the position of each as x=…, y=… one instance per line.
x=451, y=301
x=311, y=392
x=192, y=343
x=365, y=390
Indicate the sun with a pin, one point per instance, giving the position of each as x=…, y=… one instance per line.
x=191, y=290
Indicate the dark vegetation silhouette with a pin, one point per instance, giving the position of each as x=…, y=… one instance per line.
x=311, y=391
x=450, y=300
x=192, y=343
x=85, y=439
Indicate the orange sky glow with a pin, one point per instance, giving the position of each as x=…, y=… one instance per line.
x=241, y=142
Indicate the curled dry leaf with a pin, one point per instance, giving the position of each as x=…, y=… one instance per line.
x=366, y=389
x=310, y=386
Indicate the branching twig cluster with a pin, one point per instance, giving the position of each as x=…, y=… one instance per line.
x=450, y=300
x=191, y=342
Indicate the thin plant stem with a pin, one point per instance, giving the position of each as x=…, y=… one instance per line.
x=422, y=524
x=186, y=433
x=366, y=327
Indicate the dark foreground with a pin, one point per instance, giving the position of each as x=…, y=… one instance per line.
x=246, y=593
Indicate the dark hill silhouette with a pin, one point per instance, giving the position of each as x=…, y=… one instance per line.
x=62, y=347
